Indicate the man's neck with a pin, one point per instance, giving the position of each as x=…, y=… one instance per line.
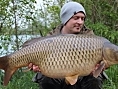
x=64, y=31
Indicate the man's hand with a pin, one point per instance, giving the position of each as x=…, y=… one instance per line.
x=98, y=69
x=34, y=68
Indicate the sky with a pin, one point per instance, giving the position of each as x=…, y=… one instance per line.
x=39, y=2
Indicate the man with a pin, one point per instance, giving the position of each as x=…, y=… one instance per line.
x=72, y=17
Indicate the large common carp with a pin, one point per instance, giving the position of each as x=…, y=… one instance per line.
x=63, y=56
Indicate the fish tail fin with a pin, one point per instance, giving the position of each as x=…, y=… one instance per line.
x=4, y=65
x=8, y=74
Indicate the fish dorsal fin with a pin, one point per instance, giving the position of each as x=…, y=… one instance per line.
x=34, y=40
x=72, y=79
x=31, y=41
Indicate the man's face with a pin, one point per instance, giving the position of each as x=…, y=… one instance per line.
x=75, y=24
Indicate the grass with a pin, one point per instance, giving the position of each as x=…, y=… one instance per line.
x=23, y=80
x=112, y=73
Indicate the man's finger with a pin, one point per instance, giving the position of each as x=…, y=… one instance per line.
x=30, y=65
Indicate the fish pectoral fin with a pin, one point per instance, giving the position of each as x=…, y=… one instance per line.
x=100, y=68
x=72, y=79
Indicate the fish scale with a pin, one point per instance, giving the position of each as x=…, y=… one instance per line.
x=63, y=56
